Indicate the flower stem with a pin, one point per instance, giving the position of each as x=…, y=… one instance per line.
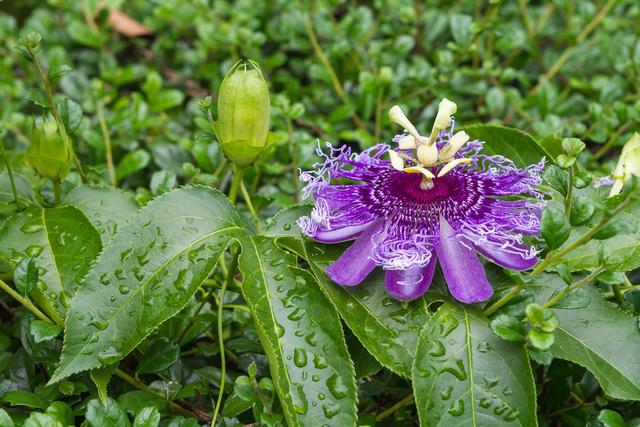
x=26, y=302
x=566, y=291
x=401, y=404
x=569, y=196
x=107, y=144
x=556, y=255
x=9, y=171
x=505, y=299
x=569, y=50
x=235, y=185
x=56, y=192
x=56, y=114
x=231, y=273
x=174, y=406
x=247, y=200
x=294, y=157
x=335, y=81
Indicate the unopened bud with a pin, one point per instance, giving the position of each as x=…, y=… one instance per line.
x=628, y=164
x=243, y=113
x=48, y=154
x=446, y=109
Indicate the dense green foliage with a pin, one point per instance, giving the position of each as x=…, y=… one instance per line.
x=135, y=292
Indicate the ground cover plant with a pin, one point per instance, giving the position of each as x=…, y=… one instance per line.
x=319, y=213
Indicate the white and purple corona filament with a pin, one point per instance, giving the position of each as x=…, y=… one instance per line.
x=436, y=198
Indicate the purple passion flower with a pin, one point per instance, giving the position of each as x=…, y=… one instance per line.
x=436, y=198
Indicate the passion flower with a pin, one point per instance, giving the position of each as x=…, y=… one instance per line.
x=435, y=198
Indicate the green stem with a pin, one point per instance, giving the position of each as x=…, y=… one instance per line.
x=56, y=192
x=107, y=144
x=235, y=185
x=616, y=292
x=247, y=200
x=294, y=157
x=335, y=81
x=174, y=406
x=566, y=291
x=569, y=196
x=9, y=171
x=505, y=299
x=56, y=114
x=569, y=50
x=26, y=302
x=556, y=255
x=231, y=273
x=188, y=326
x=401, y=404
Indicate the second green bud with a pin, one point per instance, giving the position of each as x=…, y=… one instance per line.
x=243, y=114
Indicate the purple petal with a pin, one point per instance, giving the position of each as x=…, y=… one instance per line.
x=407, y=285
x=461, y=267
x=355, y=263
x=503, y=257
x=340, y=234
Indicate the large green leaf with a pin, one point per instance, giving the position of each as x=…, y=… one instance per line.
x=514, y=144
x=600, y=337
x=387, y=329
x=107, y=208
x=145, y=275
x=63, y=243
x=302, y=336
x=152, y=267
x=464, y=374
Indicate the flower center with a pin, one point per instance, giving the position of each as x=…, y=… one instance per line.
x=411, y=186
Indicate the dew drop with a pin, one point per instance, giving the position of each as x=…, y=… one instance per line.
x=445, y=393
x=296, y=314
x=34, y=250
x=300, y=357
x=104, y=279
x=279, y=330
x=457, y=408
x=109, y=356
x=437, y=349
x=31, y=227
x=320, y=362
x=336, y=386
x=458, y=370
x=287, y=227
x=278, y=277
x=123, y=289
x=299, y=400
x=330, y=409
x=120, y=275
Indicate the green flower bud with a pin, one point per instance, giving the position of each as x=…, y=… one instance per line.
x=243, y=114
x=48, y=154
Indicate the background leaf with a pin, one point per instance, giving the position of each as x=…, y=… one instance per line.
x=515, y=144
x=63, y=244
x=107, y=208
x=464, y=374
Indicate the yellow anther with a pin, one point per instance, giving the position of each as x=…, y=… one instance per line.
x=452, y=164
x=419, y=169
x=453, y=145
x=396, y=161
